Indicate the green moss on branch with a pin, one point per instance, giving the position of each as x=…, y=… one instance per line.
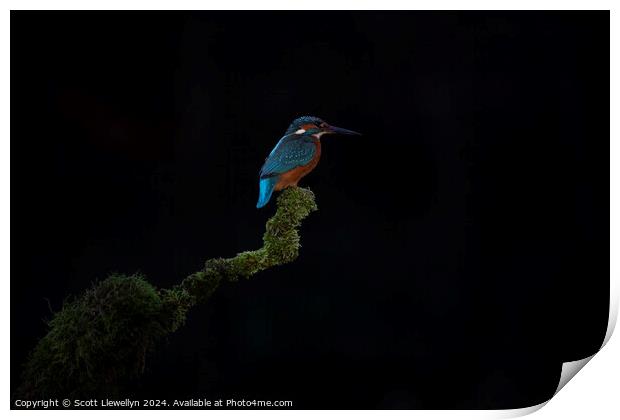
x=280, y=246
x=99, y=341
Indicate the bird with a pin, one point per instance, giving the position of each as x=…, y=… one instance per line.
x=294, y=156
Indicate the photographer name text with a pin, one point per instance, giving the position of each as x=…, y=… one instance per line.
x=129, y=403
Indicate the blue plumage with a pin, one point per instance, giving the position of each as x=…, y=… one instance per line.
x=300, y=121
x=266, y=186
x=292, y=151
x=295, y=155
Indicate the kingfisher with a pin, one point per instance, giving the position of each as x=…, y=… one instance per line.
x=295, y=156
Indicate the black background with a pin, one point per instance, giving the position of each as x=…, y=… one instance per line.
x=461, y=249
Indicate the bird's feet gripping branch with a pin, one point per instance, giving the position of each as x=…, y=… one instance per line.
x=295, y=155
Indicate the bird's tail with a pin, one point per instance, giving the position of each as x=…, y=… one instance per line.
x=266, y=186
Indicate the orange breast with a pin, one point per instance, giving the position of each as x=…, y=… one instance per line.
x=292, y=177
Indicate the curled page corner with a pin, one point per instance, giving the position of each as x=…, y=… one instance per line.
x=570, y=369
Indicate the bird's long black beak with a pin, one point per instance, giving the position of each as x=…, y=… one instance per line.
x=339, y=130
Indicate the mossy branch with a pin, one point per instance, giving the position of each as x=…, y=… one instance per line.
x=99, y=341
x=280, y=246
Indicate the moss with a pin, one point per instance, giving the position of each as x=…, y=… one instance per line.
x=98, y=342
x=280, y=246
x=176, y=302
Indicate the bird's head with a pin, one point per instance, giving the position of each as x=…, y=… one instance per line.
x=316, y=127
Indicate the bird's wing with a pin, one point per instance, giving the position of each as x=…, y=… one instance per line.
x=289, y=153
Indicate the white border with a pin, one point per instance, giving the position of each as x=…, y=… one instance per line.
x=310, y=5
x=593, y=395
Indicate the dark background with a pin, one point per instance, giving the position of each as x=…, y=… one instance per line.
x=461, y=249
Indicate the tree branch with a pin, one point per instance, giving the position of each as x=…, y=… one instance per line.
x=98, y=342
